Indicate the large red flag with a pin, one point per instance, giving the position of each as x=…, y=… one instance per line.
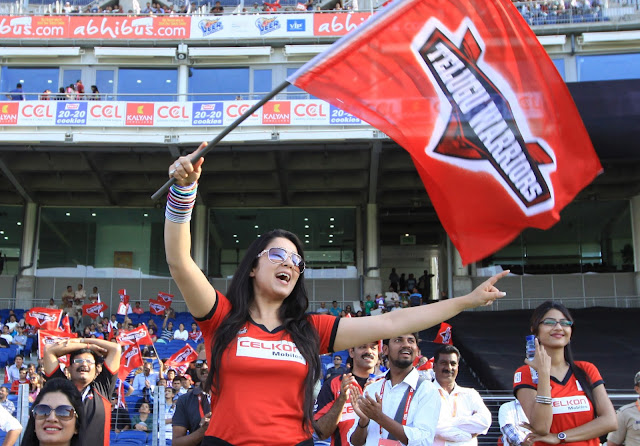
x=445, y=334
x=138, y=335
x=131, y=359
x=43, y=318
x=93, y=310
x=183, y=356
x=165, y=297
x=49, y=337
x=466, y=88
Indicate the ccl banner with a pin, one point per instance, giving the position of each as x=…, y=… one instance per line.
x=252, y=26
x=165, y=114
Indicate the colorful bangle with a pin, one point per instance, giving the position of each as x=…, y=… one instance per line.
x=180, y=202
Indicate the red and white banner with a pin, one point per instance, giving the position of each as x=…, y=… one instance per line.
x=312, y=112
x=449, y=91
x=131, y=359
x=138, y=335
x=93, y=310
x=43, y=318
x=157, y=308
x=50, y=337
x=124, y=297
x=66, y=324
x=165, y=297
x=195, y=336
x=445, y=334
x=182, y=357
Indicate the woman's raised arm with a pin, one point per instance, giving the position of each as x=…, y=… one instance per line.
x=194, y=285
x=360, y=330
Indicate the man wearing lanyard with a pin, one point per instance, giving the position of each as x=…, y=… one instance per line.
x=192, y=415
x=95, y=381
x=402, y=408
x=463, y=415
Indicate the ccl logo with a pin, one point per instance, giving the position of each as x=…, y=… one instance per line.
x=235, y=110
x=311, y=110
x=173, y=112
x=105, y=111
x=37, y=111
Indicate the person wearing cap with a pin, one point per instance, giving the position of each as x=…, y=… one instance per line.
x=628, y=432
x=93, y=365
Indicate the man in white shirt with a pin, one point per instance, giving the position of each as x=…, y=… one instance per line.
x=511, y=418
x=146, y=379
x=11, y=426
x=400, y=408
x=323, y=308
x=463, y=415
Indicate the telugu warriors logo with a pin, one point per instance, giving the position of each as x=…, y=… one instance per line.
x=481, y=126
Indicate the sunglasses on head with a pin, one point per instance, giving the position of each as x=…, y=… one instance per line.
x=550, y=322
x=64, y=412
x=280, y=255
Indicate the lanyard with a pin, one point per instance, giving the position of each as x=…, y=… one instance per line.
x=454, y=409
x=406, y=406
x=85, y=394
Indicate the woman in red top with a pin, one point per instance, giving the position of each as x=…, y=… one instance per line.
x=264, y=361
x=564, y=400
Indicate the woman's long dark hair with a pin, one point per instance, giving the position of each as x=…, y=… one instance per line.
x=580, y=374
x=292, y=313
x=71, y=391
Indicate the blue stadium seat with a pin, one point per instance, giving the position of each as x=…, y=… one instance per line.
x=132, y=435
x=4, y=357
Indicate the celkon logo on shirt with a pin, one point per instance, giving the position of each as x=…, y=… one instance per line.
x=279, y=350
x=570, y=404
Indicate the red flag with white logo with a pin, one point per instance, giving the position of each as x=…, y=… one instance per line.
x=50, y=337
x=165, y=297
x=124, y=308
x=43, y=318
x=93, y=310
x=131, y=359
x=156, y=308
x=138, y=335
x=466, y=88
x=66, y=325
x=124, y=297
x=445, y=334
x=182, y=357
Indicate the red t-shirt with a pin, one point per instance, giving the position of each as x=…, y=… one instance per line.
x=261, y=380
x=571, y=407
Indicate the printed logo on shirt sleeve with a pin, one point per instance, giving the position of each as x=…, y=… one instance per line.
x=517, y=378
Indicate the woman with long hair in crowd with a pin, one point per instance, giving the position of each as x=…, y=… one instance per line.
x=265, y=361
x=565, y=400
x=57, y=416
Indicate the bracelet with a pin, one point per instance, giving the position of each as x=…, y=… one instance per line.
x=180, y=202
x=365, y=426
x=546, y=400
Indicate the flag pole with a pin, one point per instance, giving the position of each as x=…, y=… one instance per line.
x=160, y=192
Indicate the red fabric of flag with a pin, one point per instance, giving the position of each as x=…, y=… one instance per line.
x=138, y=335
x=93, y=310
x=466, y=88
x=131, y=359
x=182, y=357
x=445, y=334
x=165, y=297
x=66, y=324
x=43, y=318
x=157, y=308
x=49, y=337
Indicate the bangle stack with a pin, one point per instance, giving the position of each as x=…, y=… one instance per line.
x=546, y=400
x=180, y=202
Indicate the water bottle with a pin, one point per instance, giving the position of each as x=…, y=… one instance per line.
x=531, y=347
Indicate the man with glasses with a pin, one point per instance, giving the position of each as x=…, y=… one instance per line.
x=93, y=365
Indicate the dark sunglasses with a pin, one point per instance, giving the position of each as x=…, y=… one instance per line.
x=63, y=412
x=550, y=322
x=280, y=255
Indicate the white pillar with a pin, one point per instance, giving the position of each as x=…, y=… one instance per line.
x=25, y=286
x=372, y=282
x=183, y=82
x=200, y=239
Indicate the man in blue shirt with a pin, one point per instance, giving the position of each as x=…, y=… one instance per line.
x=16, y=93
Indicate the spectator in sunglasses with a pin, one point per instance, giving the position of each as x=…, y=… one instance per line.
x=93, y=365
x=262, y=327
x=57, y=416
x=553, y=379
